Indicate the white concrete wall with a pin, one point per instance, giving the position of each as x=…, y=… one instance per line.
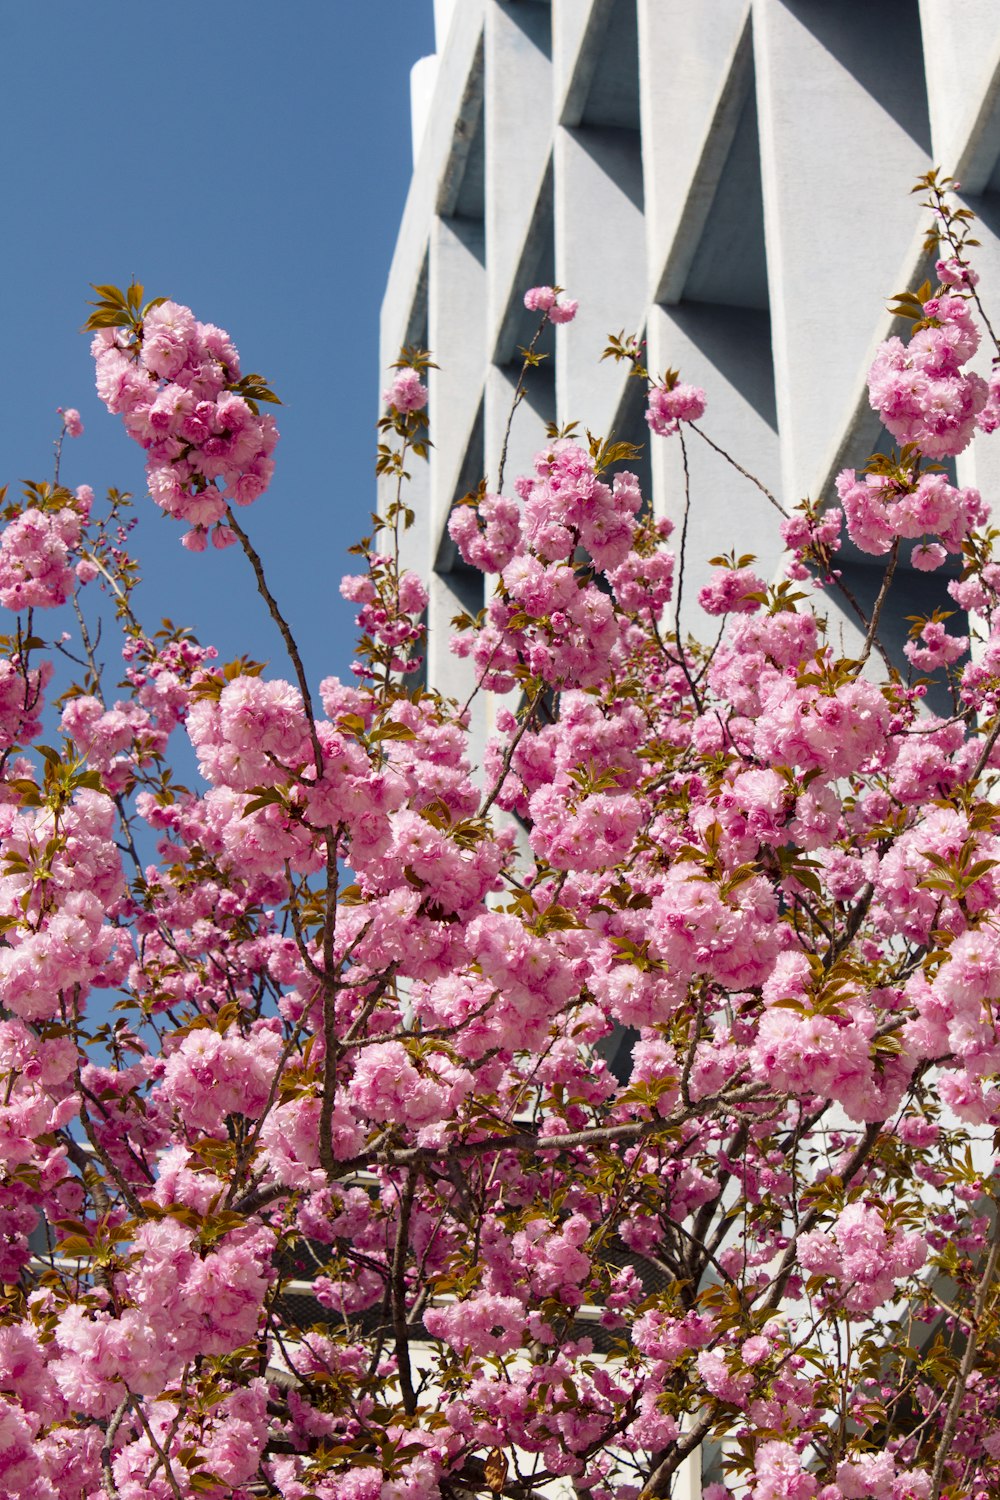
x=726, y=178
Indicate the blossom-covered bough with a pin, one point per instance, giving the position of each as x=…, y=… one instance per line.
x=315, y=1180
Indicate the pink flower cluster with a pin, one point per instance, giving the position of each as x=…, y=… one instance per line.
x=582, y=833
x=556, y=1263
x=671, y=405
x=935, y=647
x=36, y=563
x=487, y=535
x=484, y=1323
x=550, y=622
x=391, y=610
x=69, y=944
x=177, y=386
x=406, y=393
x=565, y=506
x=210, y=1077
x=556, y=306
x=832, y=733
x=812, y=535
x=116, y=741
x=387, y=1086
x=694, y=929
x=527, y=974
x=920, y=391
x=644, y=584
x=730, y=591
x=862, y=1255
x=185, y=1303
x=813, y=1055
x=879, y=509
x=558, y=624
x=248, y=736
x=21, y=700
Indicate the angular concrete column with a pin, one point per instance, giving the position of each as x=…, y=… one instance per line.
x=961, y=47
x=577, y=35
x=689, y=116
x=518, y=143
x=844, y=133
x=600, y=259
x=457, y=337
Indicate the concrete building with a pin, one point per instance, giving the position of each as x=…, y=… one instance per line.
x=727, y=178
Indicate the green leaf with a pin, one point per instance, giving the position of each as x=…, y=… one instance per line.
x=108, y=293
x=392, y=730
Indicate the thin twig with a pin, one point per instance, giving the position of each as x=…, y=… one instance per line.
x=509, y=755
x=983, y=1290
x=692, y=1048
x=254, y=558
x=944, y=216
x=157, y=1447
x=518, y=398
x=127, y=1192
x=866, y=650
x=740, y=469
x=986, y=752
x=842, y=588
x=330, y=989
x=680, y=575
x=858, y=913
x=838, y=582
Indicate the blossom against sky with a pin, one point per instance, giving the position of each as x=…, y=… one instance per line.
x=252, y=164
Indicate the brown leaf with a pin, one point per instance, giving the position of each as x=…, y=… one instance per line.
x=495, y=1470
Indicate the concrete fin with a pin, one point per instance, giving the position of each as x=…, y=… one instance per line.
x=835, y=196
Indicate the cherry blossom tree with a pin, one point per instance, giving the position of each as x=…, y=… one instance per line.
x=317, y=1181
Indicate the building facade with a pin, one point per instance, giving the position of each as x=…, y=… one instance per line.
x=728, y=179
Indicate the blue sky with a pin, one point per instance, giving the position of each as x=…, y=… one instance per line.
x=251, y=161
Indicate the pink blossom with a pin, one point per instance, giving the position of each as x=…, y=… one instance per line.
x=549, y=300
x=730, y=590
x=177, y=394
x=956, y=273
x=920, y=391
x=937, y=648
x=564, y=309
x=668, y=407
x=871, y=1475
x=779, y=1474
x=720, y=1380
x=386, y=1085
x=539, y=298
x=927, y=557
x=35, y=567
x=483, y=1324
x=406, y=393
